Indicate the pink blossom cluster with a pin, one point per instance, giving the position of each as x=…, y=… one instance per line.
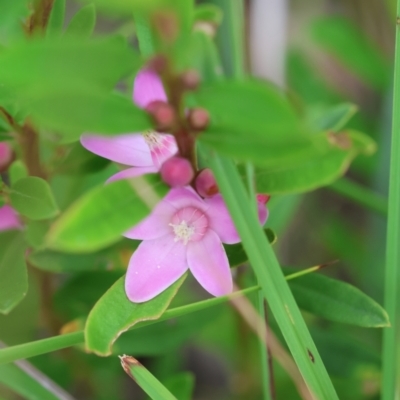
x=187, y=228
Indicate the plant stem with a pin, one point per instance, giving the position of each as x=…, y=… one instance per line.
x=390, y=354
x=360, y=195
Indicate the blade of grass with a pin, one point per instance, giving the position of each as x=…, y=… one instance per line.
x=271, y=279
x=360, y=195
x=390, y=355
x=148, y=382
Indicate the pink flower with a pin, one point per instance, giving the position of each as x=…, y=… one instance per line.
x=183, y=232
x=9, y=219
x=145, y=152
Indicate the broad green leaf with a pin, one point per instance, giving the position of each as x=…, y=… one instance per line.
x=337, y=301
x=331, y=118
x=24, y=384
x=320, y=169
x=33, y=198
x=66, y=63
x=17, y=171
x=13, y=274
x=100, y=216
x=72, y=112
x=83, y=22
x=56, y=20
x=339, y=37
x=236, y=253
x=12, y=16
x=113, y=314
x=143, y=377
x=251, y=120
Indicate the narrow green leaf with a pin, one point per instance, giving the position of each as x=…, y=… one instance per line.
x=181, y=385
x=56, y=20
x=319, y=169
x=350, y=46
x=251, y=120
x=13, y=274
x=148, y=382
x=113, y=314
x=208, y=13
x=331, y=118
x=33, y=198
x=101, y=215
x=17, y=171
x=271, y=279
x=337, y=301
x=83, y=22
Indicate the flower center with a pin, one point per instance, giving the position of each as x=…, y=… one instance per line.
x=189, y=224
x=153, y=139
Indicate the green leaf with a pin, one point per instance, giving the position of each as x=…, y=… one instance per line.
x=13, y=274
x=17, y=171
x=72, y=112
x=33, y=198
x=236, y=253
x=350, y=46
x=331, y=118
x=101, y=215
x=56, y=20
x=337, y=301
x=11, y=15
x=36, y=232
x=113, y=314
x=320, y=169
x=181, y=385
x=66, y=63
x=251, y=120
x=149, y=383
x=24, y=384
x=83, y=22
x=208, y=13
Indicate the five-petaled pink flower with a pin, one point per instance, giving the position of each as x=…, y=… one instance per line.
x=183, y=232
x=145, y=152
x=9, y=219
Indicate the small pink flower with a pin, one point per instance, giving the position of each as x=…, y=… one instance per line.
x=9, y=219
x=183, y=232
x=145, y=152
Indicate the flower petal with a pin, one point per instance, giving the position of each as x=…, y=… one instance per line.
x=220, y=220
x=129, y=149
x=209, y=264
x=166, y=148
x=155, y=225
x=183, y=197
x=154, y=266
x=148, y=87
x=132, y=173
x=9, y=219
x=262, y=212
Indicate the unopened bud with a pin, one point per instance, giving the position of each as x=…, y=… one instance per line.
x=158, y=64
x=177, y=171
x=198, y=119
x=206, y=184
x=263, y=198
x=6, y=156
x=163, y=115
x=190, y=79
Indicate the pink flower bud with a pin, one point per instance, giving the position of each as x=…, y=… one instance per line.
x=198, y=119
x=190, y=79
x=6, y=155
x=177, y=171
x=205, y=183
x=263, y=198
x=163, y=115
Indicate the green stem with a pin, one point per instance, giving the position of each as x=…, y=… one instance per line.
x=360, y=195
x=390, y=354
x=271, y=279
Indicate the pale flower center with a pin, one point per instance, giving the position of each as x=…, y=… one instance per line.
x=189, y=224
x=153, y=139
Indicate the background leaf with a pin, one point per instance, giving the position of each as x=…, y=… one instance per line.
x=13, y=274
x=32, y=197
x=83, y=22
